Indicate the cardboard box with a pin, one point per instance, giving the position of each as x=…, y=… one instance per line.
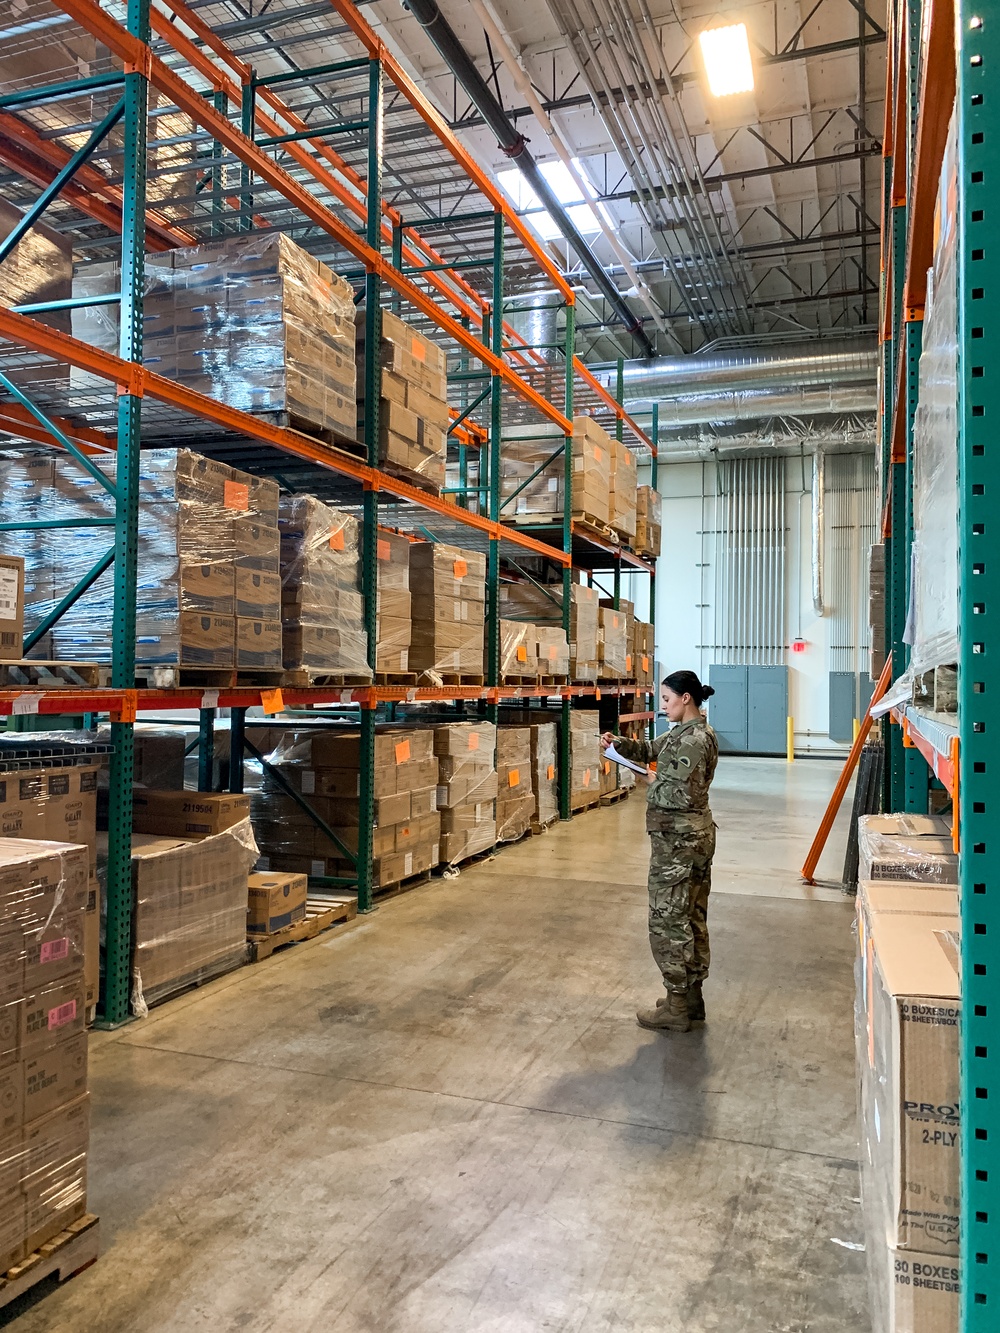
x=275, y=901
x=11, y=607
x=908, y=1016
x=54, y=1077
x=55, y=1170
x=187, y=814
x=51, y=1015
x=904, y=846
x=258, y=645
x=92, y=950
x=258, y=596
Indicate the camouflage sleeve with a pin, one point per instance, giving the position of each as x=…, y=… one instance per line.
x=679, y=761
x=640, y=752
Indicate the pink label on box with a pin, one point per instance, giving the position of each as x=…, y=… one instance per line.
x=54, y=950
x=64, y=1014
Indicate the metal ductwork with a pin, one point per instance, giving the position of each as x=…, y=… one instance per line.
x=753, y=404
x=818, y=529
x=514, y=144
x=791, y=368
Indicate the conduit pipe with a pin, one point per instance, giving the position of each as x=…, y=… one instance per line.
x=522, y=82
x=818, y=526
x=514, y=144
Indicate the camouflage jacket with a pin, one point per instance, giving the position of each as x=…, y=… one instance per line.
x=686, y=757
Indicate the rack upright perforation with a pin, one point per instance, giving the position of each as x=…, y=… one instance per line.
x=943, y=56
x=169, y=167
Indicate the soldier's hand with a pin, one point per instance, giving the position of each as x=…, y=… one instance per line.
x=607, y=738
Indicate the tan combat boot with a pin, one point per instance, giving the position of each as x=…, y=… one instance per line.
x=670, y=1015
x=696, y=1002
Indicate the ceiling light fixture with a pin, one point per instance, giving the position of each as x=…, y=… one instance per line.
x=726, y=53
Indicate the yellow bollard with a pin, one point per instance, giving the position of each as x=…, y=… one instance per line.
x=790, y=739
x=857, y=728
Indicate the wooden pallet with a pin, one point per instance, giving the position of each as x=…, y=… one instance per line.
x=305, y=677
x=538, y=827
x=402, y=885
x=937, y=689
x=65, y=1255
x=52, y=675
x=404, y=679
x=613, y=797
x=170, y=677
x=304, y=426
x=321, y=914
x=603, y=530
x=450, y=679
x=591, y=803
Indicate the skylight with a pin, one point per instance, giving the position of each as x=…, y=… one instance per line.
x=566, y=190
x=726, y=53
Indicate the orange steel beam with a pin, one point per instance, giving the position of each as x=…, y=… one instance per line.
x=138, y=56
x=88, y=183
x=826, y=824
x=17, y=420
x=619, y=411
x=138, y=380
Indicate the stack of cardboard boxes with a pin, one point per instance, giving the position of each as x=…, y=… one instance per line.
x=321, y=600
x=277, y=900
x=543, y=607
x=641, y=652
x=533, y=474
x=622, y=511
x=515, y=799
x=325, y=769
x=544, y=772
x=552, y=648
x=648, y=521
x=906, y=847
x=876, y=608
x=448, y=596
x=612, y=644
x=44, y=1104
x=413, y=410
x=189, y=892
x=394, y=607
x=586, y=760
x=467, y=788
x=907, y=1026
x=518, y=651
x=253, y=321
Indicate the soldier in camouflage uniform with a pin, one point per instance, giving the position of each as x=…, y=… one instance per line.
x=682, y=837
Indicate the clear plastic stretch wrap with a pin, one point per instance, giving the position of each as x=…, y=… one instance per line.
x=44, y=893
x=552, y=649
x=545, y=771
x=906, y=1034
x=532, y=474
x=515, y=798
x=518, y=650
x=622, y=515
x=39, y=268
x=612, y=644
x=543, y=605
x=933, y=627
x=648, y=520
x=253, y=321
x=394, y=613
x=208, y=591
x=323, y=609
x=641, y=653
x=900, y=846
x=413, y=409
x=323, y=766
x=586, y=760
x=467, y=788
x=448, y=595
x=190, y=910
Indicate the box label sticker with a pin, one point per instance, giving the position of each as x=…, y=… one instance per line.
x=408, y=863
x=645, y=664
x=607, y=767
x=25, y=704
x=513, y=777
x=461, y=569
x=586, y=777
x=553, y=652
x=8, y=593
x=62, y=1014
x=522, y=653
x=336, y=539
x=236, y=495
x=54, y=950
x=473, y=740
x=308, y=782
x=318, y=869
x=383, y=549
x=402, y=751
x=550, y=772
x=628, y=662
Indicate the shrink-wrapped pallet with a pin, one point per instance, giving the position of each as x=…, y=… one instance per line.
x=448, y=596
x=467, y=788
x=515, y=799
x=394, y=603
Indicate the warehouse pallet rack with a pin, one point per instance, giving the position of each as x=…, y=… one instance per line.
x=940, y=55
x=172, y=89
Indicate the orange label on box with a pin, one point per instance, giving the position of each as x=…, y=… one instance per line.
x=513, y=777
x=645, y=664
x=550, y=772
x=461, y=569
x=271, y=701
x=553, y=652
x=598, y=456
x=382, y=548
x=473, y=740
x=336, y=539
x=597, y=694
x=402, y=751
x=236, y=495
x=586, y=777
x=418, y=350
x=404, y=831
x=607, y=766
x=628, y=662
x=522, y=653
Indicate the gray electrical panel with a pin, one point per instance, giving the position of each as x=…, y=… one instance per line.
x=850, y=696
x=749, y=708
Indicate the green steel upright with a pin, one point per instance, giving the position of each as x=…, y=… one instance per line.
x=565, y=739
x=496, y=427
x=114, y=1005
x=978, y=40
x=653, y=479
x=369, y=536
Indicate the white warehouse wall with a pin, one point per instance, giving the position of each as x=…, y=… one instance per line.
x=685, y=591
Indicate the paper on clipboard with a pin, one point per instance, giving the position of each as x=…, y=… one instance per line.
x=612, y=753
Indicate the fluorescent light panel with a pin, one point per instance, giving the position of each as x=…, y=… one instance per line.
x=726, y=53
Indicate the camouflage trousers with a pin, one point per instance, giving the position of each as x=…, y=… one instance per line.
x=680, y=877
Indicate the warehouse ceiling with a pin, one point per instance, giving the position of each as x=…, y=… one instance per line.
x=748, y=215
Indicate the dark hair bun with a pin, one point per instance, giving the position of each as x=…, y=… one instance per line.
x=706, y=691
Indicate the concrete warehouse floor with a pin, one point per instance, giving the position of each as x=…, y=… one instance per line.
x=445, y=1118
